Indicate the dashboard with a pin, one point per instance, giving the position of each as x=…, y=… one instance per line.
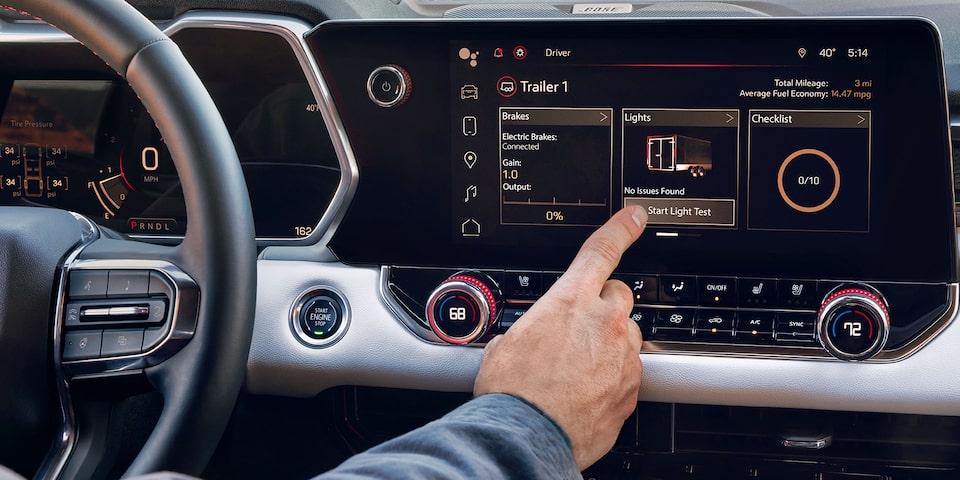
x=77, y=139
x=421, y=172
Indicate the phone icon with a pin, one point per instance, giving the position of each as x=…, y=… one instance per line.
x=470, y=126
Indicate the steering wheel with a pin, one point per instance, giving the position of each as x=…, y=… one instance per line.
x=203, y=368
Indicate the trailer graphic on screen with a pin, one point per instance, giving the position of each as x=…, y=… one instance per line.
x=677, y=153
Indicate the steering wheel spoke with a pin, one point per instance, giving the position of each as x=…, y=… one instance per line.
x=122, y=315
x=181, y=315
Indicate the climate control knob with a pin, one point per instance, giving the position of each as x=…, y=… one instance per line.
x=853, y=323
x=463, y=307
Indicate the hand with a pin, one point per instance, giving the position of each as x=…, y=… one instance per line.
x=576, y=354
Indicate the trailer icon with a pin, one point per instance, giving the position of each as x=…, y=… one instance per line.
x=677, y=153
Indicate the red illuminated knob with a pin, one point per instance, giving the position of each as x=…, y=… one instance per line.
x=462, y=308
x=853, y=323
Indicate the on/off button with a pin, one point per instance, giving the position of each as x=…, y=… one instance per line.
x=388, y=85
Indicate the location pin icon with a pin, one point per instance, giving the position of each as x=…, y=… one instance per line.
x=802, y=52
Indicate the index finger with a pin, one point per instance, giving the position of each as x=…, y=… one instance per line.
x=600, y=254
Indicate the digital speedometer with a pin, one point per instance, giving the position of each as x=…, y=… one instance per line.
x=88, y=146
x=136, y=184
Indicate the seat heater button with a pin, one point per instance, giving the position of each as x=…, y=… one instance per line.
x=88, y=284
x=121, y=342
x=82, y=345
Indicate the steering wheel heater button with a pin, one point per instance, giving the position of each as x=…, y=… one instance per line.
x=320, y=317
x=82, y=345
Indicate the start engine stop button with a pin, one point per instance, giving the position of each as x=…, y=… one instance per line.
x=319, y=317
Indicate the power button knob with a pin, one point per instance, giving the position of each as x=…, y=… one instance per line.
x=462, y=308
x=389, y=85
x=853, y=323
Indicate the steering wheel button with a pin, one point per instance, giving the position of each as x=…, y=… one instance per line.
x=88, y=284
x=128, y=283
x=82, y=345
x=320, y=317
x=159, y=286
x=121, y=342
x=152, y=337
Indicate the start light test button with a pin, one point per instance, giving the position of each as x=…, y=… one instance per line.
x=686, y=211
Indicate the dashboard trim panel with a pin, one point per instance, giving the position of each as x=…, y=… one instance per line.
x=715, y=349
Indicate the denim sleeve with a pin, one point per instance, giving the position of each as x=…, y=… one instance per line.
x=492, y=436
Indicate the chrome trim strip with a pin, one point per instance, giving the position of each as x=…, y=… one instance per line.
x=182, y=327
x=415, y=327
x=60, y=451
x=293, y=31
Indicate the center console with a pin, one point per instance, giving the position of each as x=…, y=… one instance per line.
x=796, y=174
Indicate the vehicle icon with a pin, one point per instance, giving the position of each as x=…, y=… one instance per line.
x=469, y=92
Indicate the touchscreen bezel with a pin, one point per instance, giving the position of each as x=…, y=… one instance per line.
x=401, y=213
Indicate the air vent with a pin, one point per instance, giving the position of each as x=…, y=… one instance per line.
x=911, y=440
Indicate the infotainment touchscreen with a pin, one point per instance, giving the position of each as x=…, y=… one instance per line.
x=814, y=148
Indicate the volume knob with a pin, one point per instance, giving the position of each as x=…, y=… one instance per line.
x=853, y=323
x=462, y=308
